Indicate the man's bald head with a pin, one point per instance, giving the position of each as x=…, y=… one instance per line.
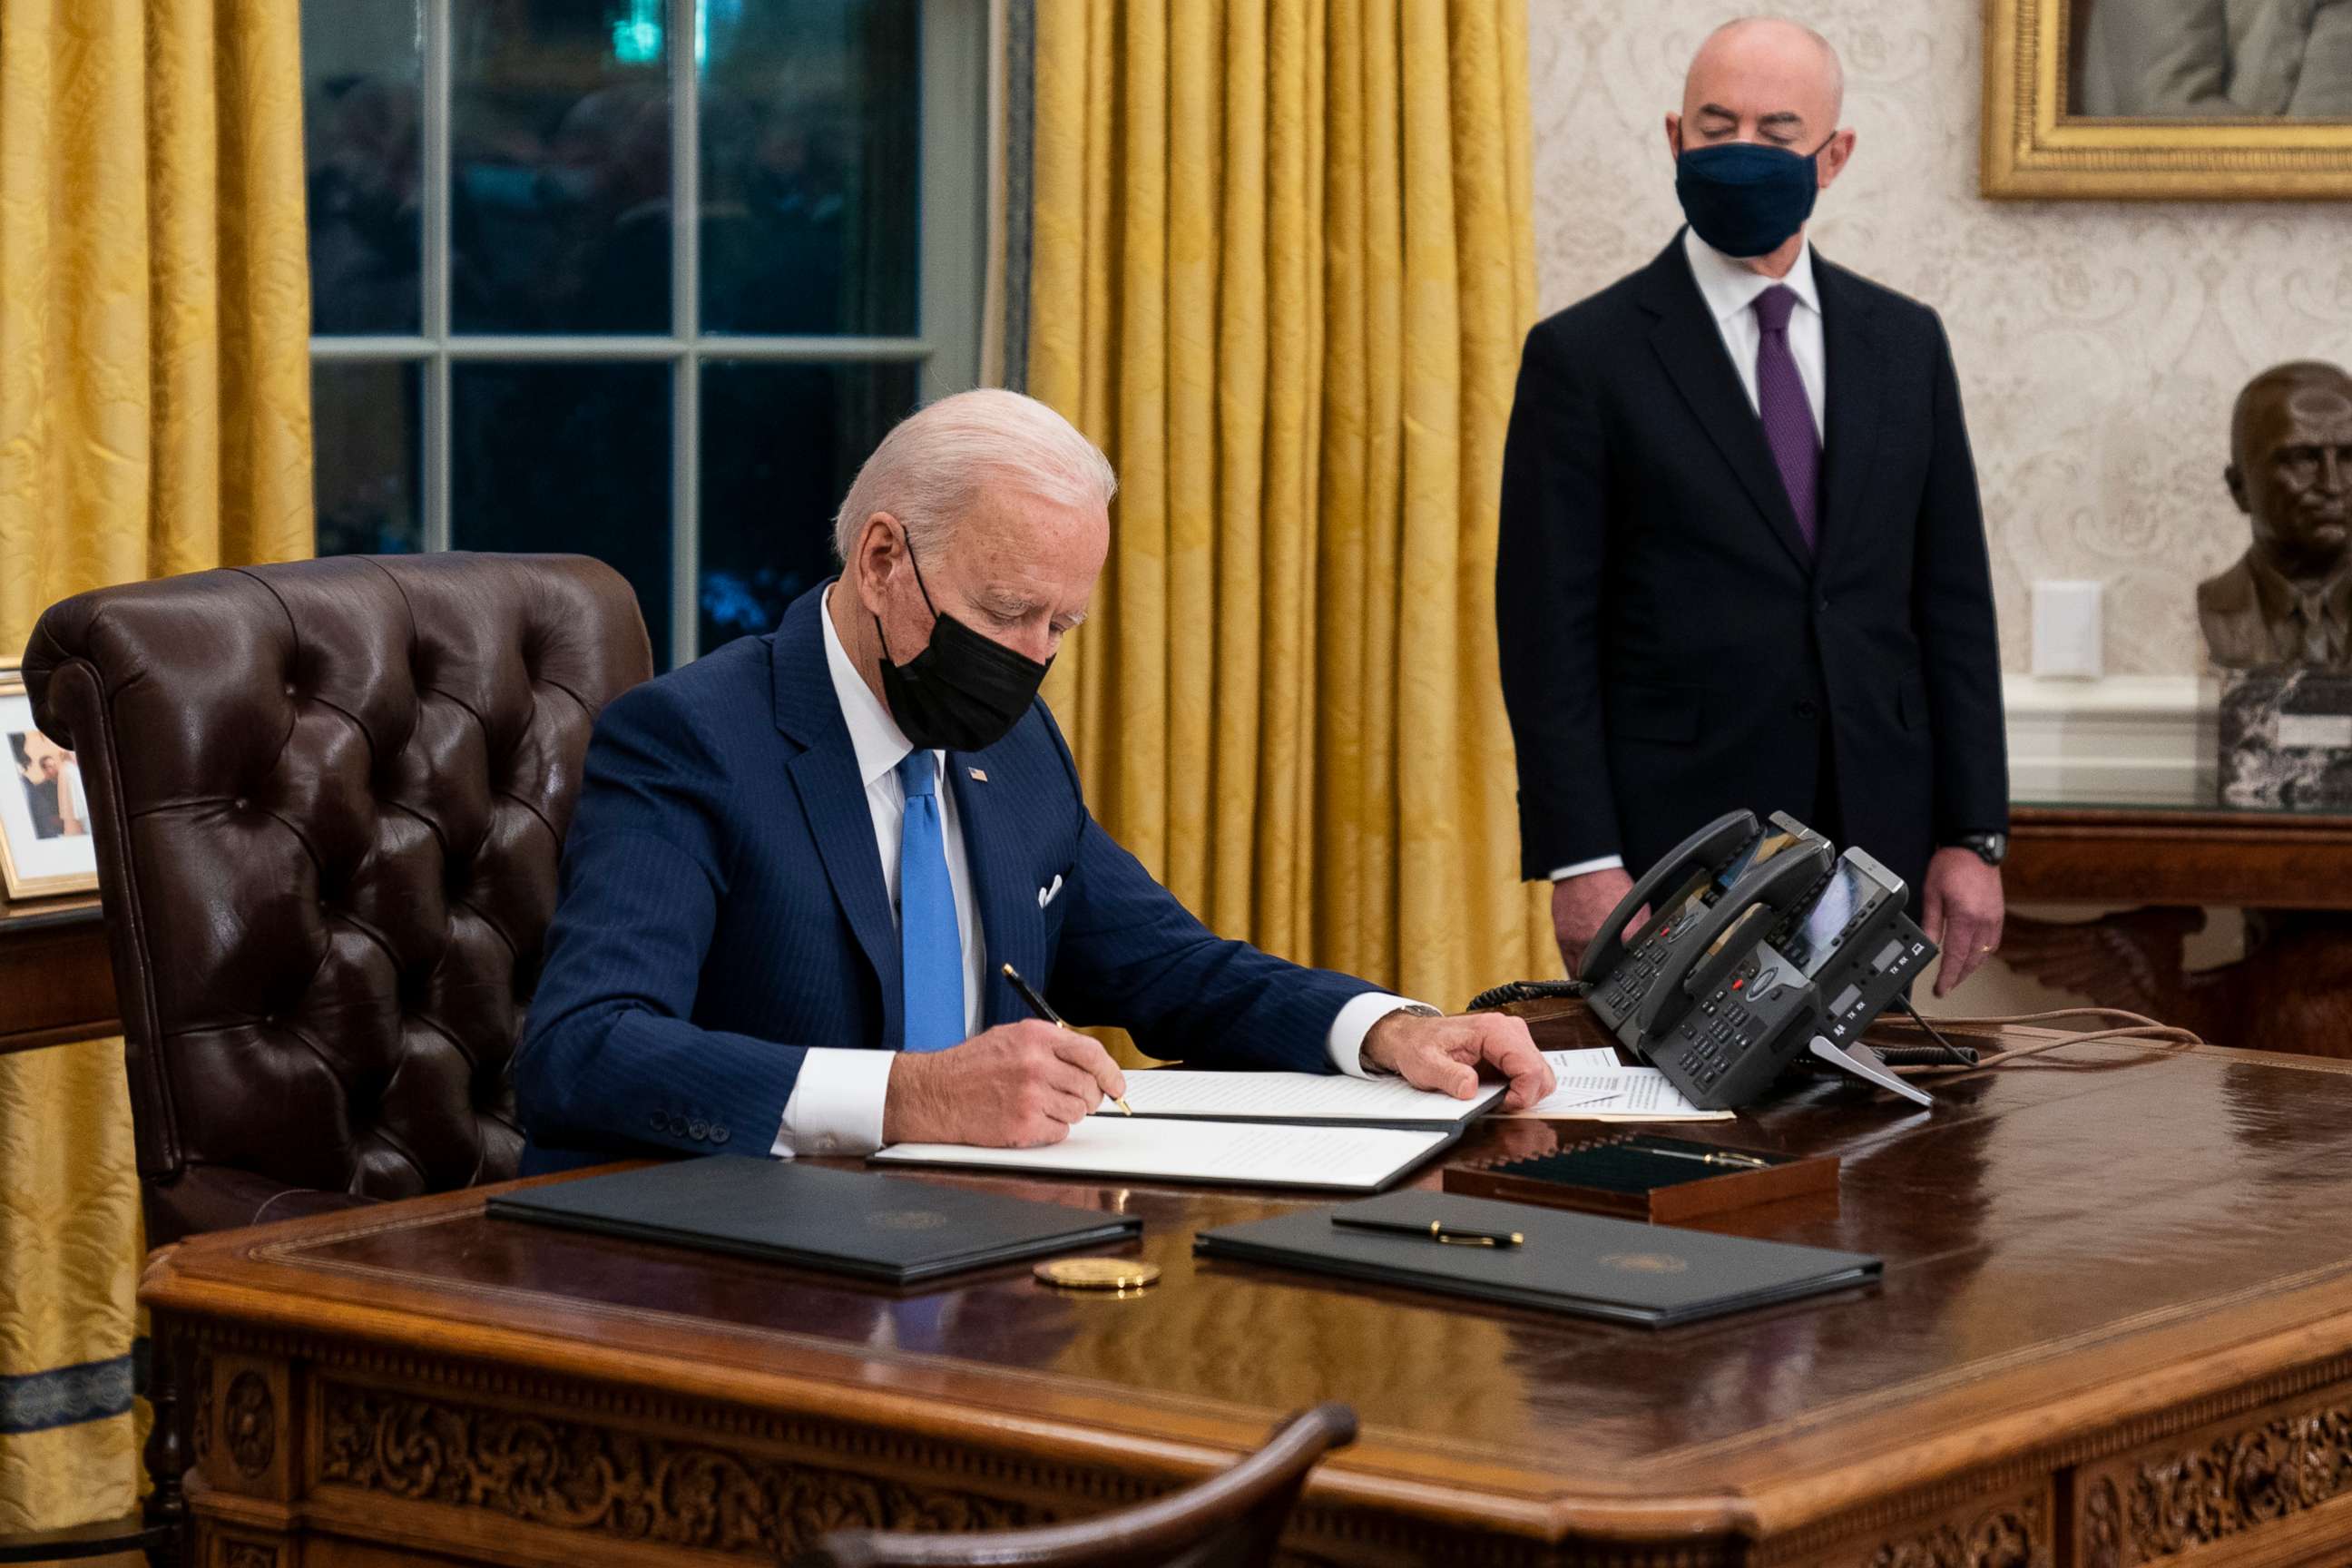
x=1764, y=78
x=1767, y=82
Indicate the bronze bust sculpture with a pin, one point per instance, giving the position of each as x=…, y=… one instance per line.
x=2288, y=600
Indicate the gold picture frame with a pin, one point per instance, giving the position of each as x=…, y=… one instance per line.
x=2035, y=147
x=34, y=863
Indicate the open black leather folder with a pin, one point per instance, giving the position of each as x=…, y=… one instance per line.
x=1565, y=1262
x=889, y=1229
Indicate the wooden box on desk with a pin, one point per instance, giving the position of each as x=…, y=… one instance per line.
x=1668, y=1202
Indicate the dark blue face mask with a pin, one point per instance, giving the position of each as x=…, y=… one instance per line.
x=1746, y=199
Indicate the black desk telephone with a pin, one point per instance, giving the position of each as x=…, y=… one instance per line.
x=1762, y=944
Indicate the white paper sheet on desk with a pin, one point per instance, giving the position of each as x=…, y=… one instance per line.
x=1257, y=1153
x=1594, y=1086
x=1299, y=1097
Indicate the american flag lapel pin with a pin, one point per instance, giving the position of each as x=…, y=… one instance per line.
x=979, y=775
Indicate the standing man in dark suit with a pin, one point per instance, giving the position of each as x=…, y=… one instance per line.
x=799, y=864
x=1742, y=558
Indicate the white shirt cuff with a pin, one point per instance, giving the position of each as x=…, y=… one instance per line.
x=1605, y=863
x=1346, y=1041
x=836, y=1103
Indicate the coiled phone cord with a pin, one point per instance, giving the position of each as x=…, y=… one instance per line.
x=1512, y=991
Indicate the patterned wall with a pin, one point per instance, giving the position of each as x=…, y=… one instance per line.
x=2099, y=343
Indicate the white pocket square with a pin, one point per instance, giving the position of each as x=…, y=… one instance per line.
x=1045, y=895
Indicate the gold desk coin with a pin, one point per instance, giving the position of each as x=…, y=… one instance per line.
x=1117, y=1274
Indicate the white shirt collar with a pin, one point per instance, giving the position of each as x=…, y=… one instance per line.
x=1730, y=289
x=875, y=737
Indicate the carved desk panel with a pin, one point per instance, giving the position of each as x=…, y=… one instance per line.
x=2116, y=1328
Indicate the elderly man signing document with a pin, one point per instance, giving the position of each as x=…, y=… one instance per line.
x=799, y=865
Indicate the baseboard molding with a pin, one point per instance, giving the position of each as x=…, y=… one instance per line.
x=2138, y=739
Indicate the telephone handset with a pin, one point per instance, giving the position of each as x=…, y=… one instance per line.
x=1777, y=976
x=1709, y=851
x=1620, y=969
x=1725, y=934
x=1763, y=944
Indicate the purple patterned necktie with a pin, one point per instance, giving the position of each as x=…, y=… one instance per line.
x=1788, y=416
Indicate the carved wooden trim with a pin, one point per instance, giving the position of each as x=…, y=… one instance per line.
x=1322, y=1537
x=2329, y=1380
x=2015, y=1534
x=2211, y=1485
x=250, y=1425
x=573, y=1475
x=245, y=1437
x=200, y=1441
x=2005, y=1527
x=239, y=1548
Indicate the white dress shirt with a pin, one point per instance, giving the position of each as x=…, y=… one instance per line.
x=835, y=1107
x=1729, y=290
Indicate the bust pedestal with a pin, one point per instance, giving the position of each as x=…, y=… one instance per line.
x=2286, y=738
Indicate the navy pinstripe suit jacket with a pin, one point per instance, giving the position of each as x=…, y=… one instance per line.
x=722, y=909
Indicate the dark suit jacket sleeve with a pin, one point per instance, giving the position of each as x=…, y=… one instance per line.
x=611, y=1055
x=1131, y=954
x=1960, y=643
x=1548, y=575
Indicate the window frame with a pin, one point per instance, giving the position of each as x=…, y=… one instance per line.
x=950, y=218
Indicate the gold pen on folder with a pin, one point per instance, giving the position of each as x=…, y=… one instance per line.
x=1045, y=1010
x=1435, y=1230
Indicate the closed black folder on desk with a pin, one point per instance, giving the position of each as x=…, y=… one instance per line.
x=1615, y=1268
x=889, y=1229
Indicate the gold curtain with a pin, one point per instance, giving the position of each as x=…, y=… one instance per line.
x=1282, y=261
x=154, y=418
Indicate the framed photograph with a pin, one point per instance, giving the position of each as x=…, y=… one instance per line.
x=45, y=846
x=2172, y=100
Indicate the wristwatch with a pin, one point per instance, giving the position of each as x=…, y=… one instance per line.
x=1992, y=849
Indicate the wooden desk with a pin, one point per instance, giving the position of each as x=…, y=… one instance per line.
x=2159, y=854
x=57, y=985
x=2117, y=1323
x=2293, y=990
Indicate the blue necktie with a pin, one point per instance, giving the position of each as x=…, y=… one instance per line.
x=930, y=954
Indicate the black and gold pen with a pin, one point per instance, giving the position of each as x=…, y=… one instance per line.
x=1045, y=1009
x=1717, y=1157
x=1435, y=1230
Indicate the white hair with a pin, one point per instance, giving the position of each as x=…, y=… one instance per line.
x=933, y=466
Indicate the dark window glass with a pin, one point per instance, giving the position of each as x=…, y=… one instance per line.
x=780, y=444
x=361, y=109
x=560, y=153
x=571, y=458
x=363, y=440
x=811, y=127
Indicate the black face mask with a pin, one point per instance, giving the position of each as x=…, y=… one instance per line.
x=1744, y=198
x=964, y=690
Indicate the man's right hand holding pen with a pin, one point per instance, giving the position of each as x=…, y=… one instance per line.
x=1016, y=1086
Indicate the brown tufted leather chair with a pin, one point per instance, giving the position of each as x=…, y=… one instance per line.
x=328, y=799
